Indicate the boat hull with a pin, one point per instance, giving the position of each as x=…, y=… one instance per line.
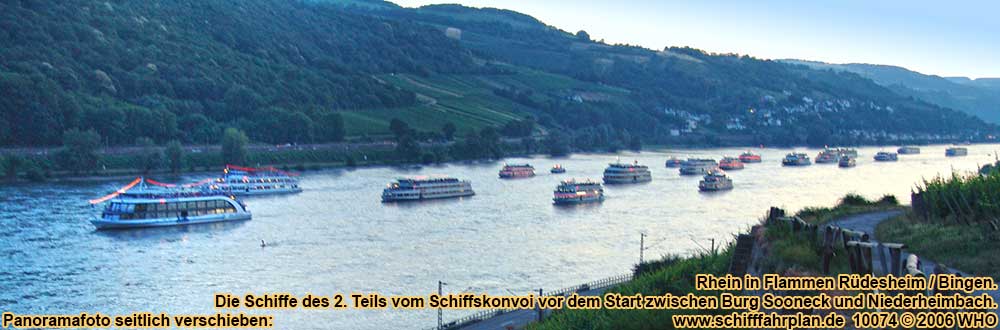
x=390, y=199
x=103, y=224
x=579, y=200
x=713, y=187
x=628, y=179
x=515, y=176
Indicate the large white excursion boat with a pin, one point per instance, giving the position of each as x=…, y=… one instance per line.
x=715, y=180
x=578, y=192
x=248, y=181
x=516, y=171
x=161, y=206
x=698, y=166
x=627, y=173
x=414, y=189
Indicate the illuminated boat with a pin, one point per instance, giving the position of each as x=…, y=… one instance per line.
x=139, y=205
x=698, y=166
x=731, y=163
x=626, y=173
x=883, y=156
x=557, y=169
x=578, y=192
x=750, y=157
x=956, y=151
x=415, y=189
x=248, y=181
x=715, y=180
x=516, y=171
x=796, y=159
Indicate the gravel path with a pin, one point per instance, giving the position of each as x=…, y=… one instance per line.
x=867, y=222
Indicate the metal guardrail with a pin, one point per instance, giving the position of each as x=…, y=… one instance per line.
x=489, y=313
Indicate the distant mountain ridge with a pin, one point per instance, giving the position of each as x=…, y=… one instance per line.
x=321, y=70
x=979, y=97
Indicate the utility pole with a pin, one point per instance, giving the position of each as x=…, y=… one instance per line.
x=539, y=306
x=642, y=246
x=440, y=310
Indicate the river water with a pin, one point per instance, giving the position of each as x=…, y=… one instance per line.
x=336, y=236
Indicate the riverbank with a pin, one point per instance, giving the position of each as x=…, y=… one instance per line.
x=971, y=248
x=777, y=249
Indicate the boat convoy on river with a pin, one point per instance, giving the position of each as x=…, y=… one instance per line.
x=146, y=202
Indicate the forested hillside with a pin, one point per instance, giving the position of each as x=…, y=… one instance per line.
x=317, y=71
x=277, y=69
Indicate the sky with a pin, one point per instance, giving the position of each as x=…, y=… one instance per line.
x=945, y=38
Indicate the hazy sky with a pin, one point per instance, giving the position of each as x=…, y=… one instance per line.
x=946, y=38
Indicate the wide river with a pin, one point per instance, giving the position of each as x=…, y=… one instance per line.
x=336, y=236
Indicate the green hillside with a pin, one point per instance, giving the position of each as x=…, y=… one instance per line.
x=321, y=71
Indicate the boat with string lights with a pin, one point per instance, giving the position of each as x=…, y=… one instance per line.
x=146, y=203
x=619, y=172
x=578, y=192
x=510, y=171
x=421, y=188
x=248, y=181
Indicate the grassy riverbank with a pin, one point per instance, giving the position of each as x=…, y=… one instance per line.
x=970, y=248
x=954, y=220
x=780, y=250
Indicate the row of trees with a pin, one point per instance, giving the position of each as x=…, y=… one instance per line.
x=81, y=153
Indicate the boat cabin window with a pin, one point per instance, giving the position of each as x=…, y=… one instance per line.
x=127, y=211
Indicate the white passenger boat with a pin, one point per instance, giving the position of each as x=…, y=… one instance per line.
x=715, y=180
x=698, y=166
x=415, y=189
x=148, y=206
x=626, y=173
x=578, y=192
x=248, y=181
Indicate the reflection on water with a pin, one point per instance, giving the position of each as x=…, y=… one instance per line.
x=337, y=236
